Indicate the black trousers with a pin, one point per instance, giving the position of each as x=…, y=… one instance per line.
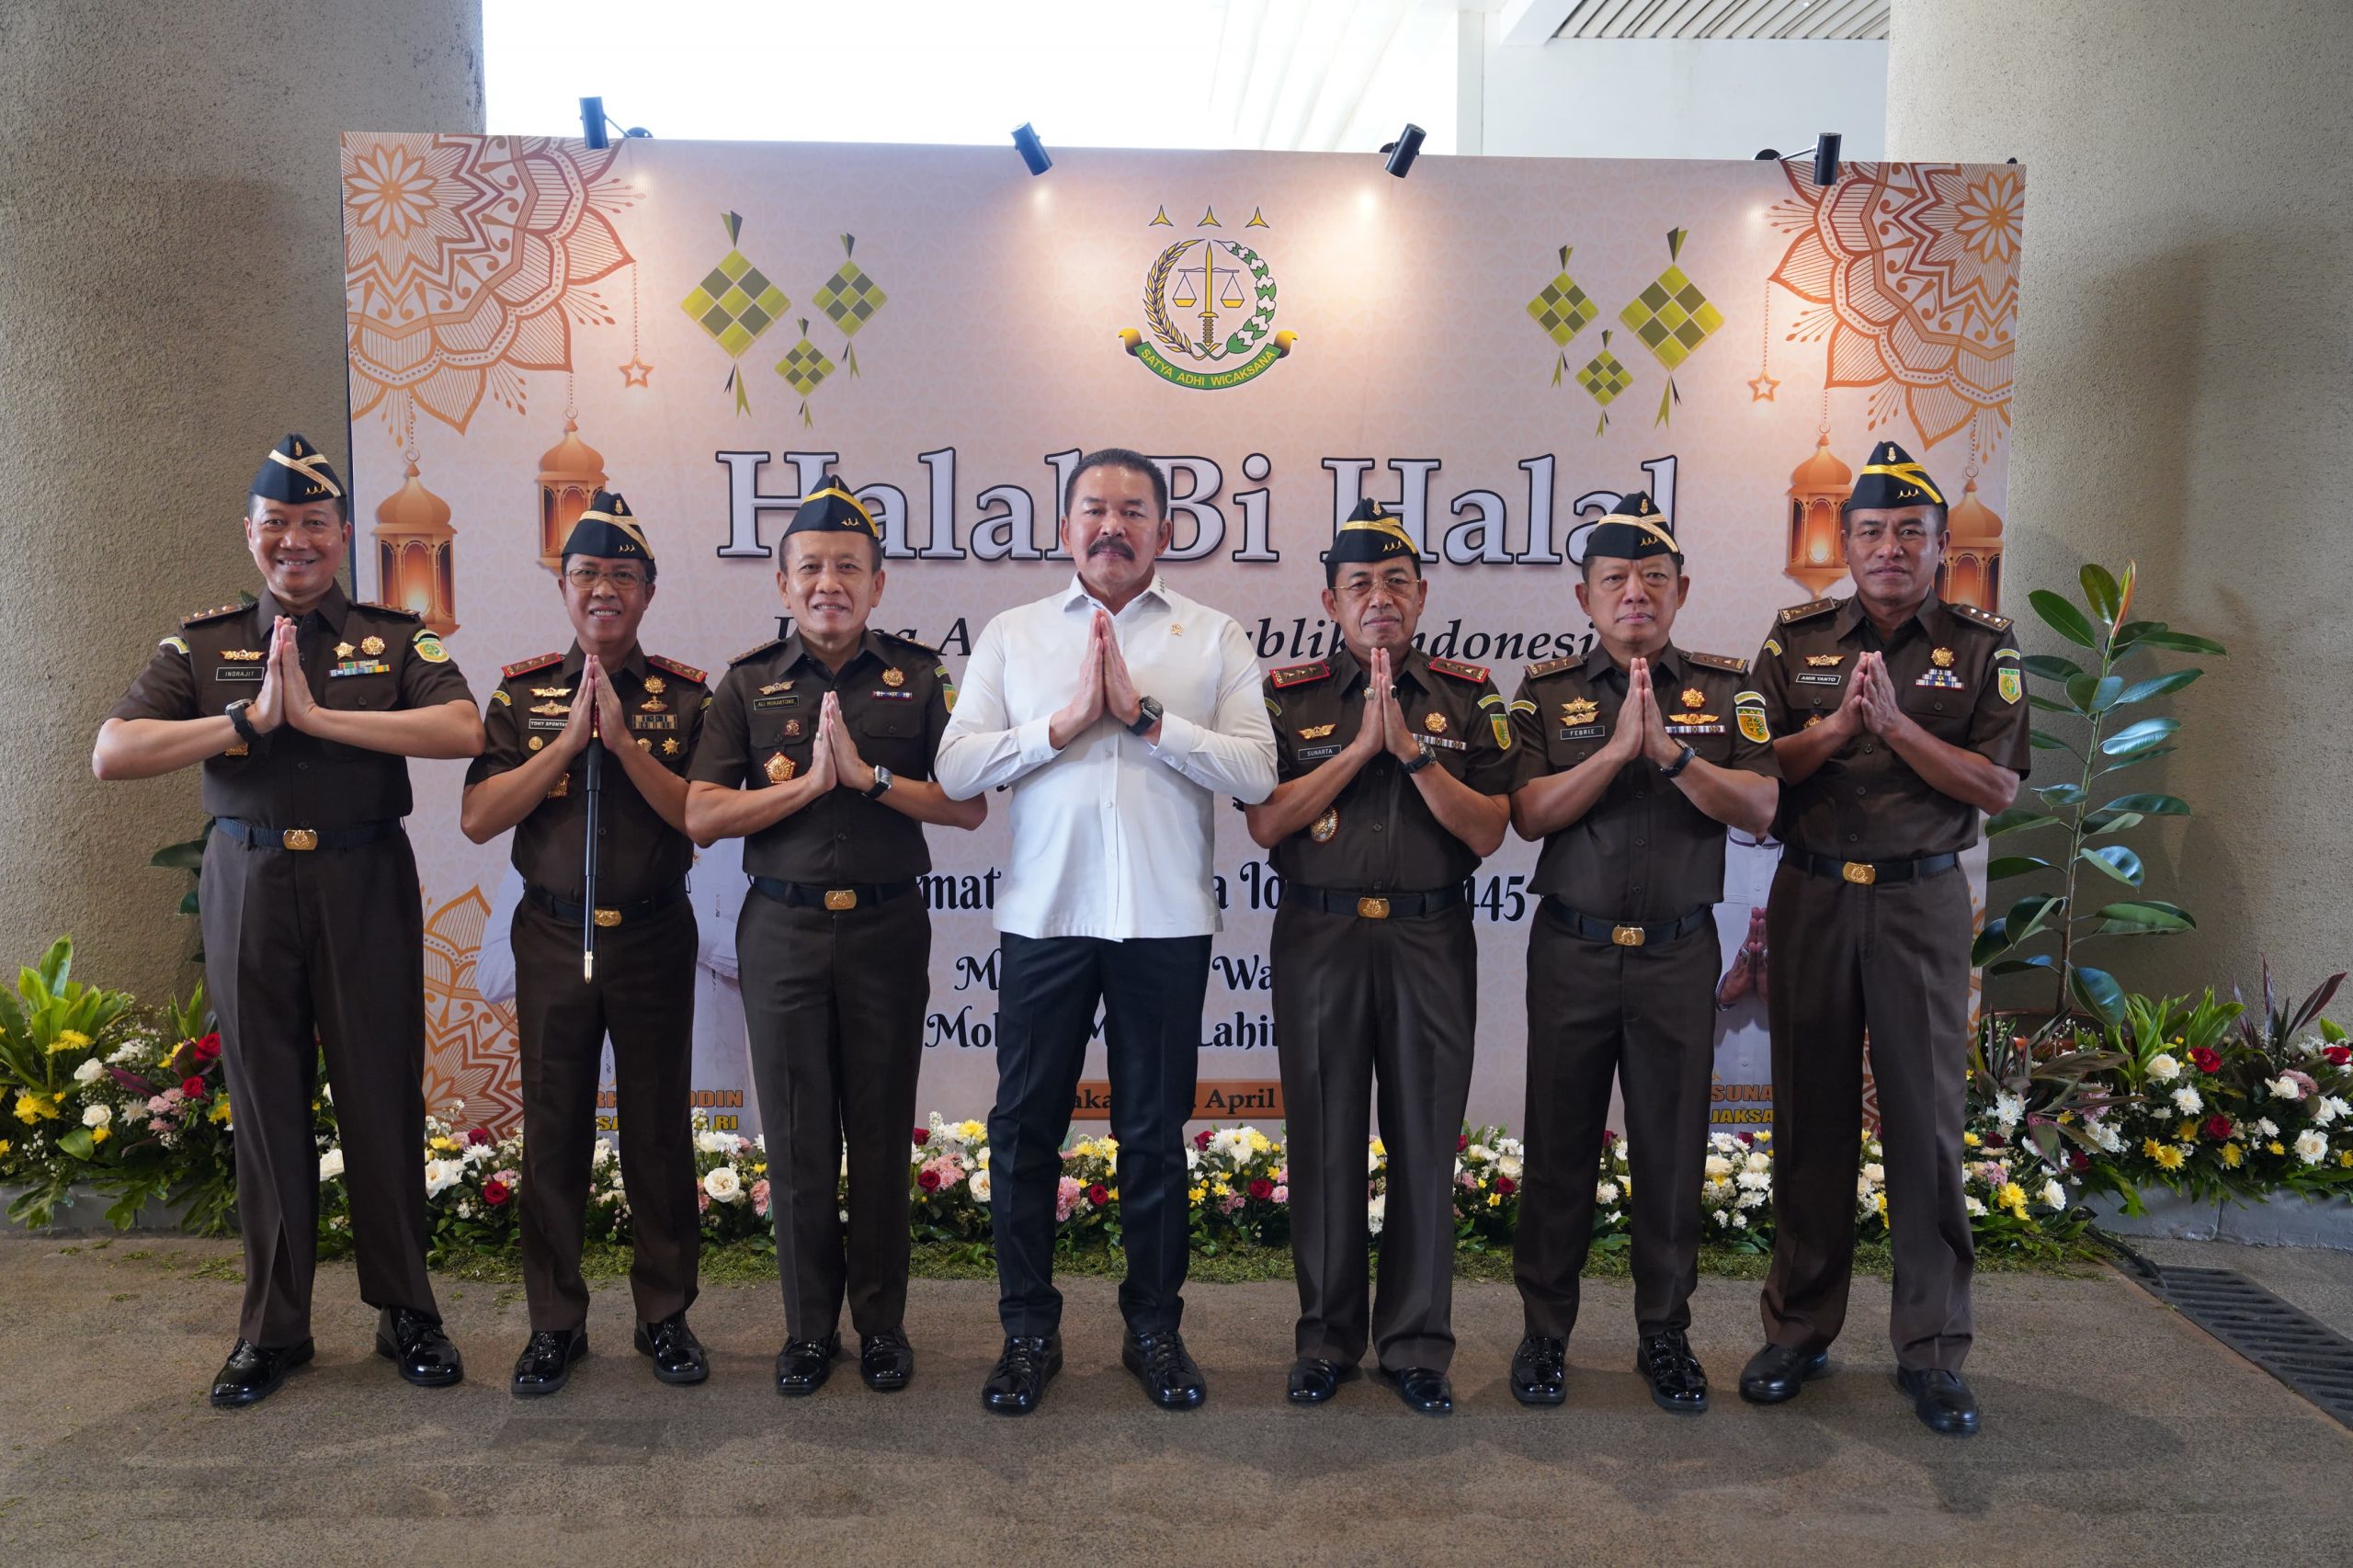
x=1150, y=990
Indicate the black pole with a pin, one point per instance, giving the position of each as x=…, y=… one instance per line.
x=588, y=893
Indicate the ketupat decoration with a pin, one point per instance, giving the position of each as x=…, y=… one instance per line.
x=1604, y=376
x=1561, y=308
x=735, y=304
x=1672, y=317
x=805, y=369
x=850, y=299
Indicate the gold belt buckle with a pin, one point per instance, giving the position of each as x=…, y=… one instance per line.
x=841, y=898
x=299, y=839
x=1627, y=936
x=608, y=918
x=1862, y=873
x=1372, y=908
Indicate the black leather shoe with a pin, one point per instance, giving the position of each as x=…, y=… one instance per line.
x=1314, y=1379
x=886, y=1360
x=1940, y=1400
x=803, y=1365
x=1777, y=1373
x=1540, y=1373
x=1678, y=1385
x=1423, y=1389
x=1171, y=1378
x=415, y=1343
x=1018, y=1379
x=545, y=1364
x=678, y=1357
x=252, y=1372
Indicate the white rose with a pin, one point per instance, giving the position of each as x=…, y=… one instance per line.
x=2053, y=1195
x=2328, y=1110
x=2164, y=1068
x=1718, y=1167
x=1376, y=1213
x=440, y=1176
x=1509, y=1166
x=1480, y=1154
x=1607, y=1192
x=1976, y=1210
x=2285, y=1088
x=2268, y=1127
x=2311, y=1147
x=1759, y=1163
x=979, y=1183
x=1875, y=1172
x=97, y=1115
x=331, y=1164
x=723, y=1184
x=2186, y=1101
x=89, y=1071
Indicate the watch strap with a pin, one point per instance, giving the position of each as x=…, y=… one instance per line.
x=1676, y=768
x=243, y=726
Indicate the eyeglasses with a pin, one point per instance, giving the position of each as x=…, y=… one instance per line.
x=586, y=578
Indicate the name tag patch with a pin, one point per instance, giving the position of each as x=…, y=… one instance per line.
x=1317, y=753
x=1582, y=732
x=237, y=672
x=774, y=701
x=1819, y=680
x=539, y=723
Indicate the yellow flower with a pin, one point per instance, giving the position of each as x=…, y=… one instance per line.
x=2187, y=1132
x=968, y=1130
x=1259, y=1143
x=2010, y=1195
x=1972, y=1140
x=1197, y=1194
x=1222, y=1188
x=1495, y=1200
x=2149, y=1147
x=1879, y=1202
x=4, y=1145
x=442, y=1145
x=2276, y=1147
x=2344, y=1159
x=99, y=1135
x=1115, y=1194
x=1381, y=1148
x=2066, y=1117
x=219, y=1111
x=759, y=1168
x=68, y=1040
x=32, y=1107
x=2168, y=1157
x=2232, y=1154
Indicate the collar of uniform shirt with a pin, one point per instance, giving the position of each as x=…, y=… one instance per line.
x=868, y=646
x=577, y=660
x=1409, y=668
x=332, y=610
x=1598, y=663
x=1851, y=618
x=1080, y=594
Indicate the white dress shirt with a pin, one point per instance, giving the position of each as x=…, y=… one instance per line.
x=1111, y=834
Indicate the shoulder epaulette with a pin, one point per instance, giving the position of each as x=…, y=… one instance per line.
x=1552, y=666
x=683, y=671
x=526, y=667
x=755, y=652
x=1460, y=670
x=1299, y=674
x=1984, y=618
x=395, y=611
x=924, y=648
x=200, y=617
x=1796, y=613
x=1720, y=662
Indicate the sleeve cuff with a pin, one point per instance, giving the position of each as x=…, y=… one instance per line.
x=1035, y=741
x=1179, y=738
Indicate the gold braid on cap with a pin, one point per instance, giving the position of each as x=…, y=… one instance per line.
x=850, y=501
x=1381, y=523
x=303, y=466
x=1911, y=473
x=1646, y=526
x=627, y=525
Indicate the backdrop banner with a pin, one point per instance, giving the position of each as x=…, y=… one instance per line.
x=1495, y=348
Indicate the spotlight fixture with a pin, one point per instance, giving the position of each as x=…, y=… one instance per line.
x=595, y=126
x=1405, y=150
x=1033, y=151
x=1769, y=155
x=1826, y=157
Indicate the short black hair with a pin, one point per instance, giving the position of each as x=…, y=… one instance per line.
x=1331, y=567
x=342, y=505
x=1936, y=512
x=565, y=564
x=1118, y=457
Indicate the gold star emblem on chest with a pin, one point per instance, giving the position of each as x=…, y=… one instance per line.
x=1435, y=723
x=1942, y=658
x=893, y=677
x=1694, y=698
x=655, y=686
x=371, y=646
x=343, y=650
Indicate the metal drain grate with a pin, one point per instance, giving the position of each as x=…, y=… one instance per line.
x=2290, y=1343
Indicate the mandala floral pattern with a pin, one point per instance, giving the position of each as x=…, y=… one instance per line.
x=1913, y=269
x=467, y=262
x=469, y=1044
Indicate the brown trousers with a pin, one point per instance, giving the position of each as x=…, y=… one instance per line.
x=835, y=1006
x=304, y=952
x=1645, y=1015
x=1892, y=958
x=1358, y=1001
x=643, y=996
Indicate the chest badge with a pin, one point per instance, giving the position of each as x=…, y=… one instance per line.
x=1824, y=661
x=371, y=645
x=779, y=768
x=653, y=705
x=774, y=686
x=1435, y=723
x=1316, y=731
x=894, y=676
x=343, y=650
x=1579, y=711
x=551, y=691
x=670, y=749
x=1325, y=827
x=535, y=743
x=552, y=709
x=242, y=655
x=1694, y=698
x=1942, y=658
x=655, y=686
x=792, y=729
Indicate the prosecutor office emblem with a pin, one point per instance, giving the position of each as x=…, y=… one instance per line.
x=1325, y=827
x=1209, y=310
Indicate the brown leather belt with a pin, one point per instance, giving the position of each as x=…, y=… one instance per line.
x=839, y=899
x=569, y=911
x=304, y=839
x=1624, y=936
x=1367, y=905
x=1866, y=873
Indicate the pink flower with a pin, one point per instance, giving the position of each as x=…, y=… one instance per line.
x=760, y=1197
x=159, y=1126
x=159, y=1105
x=1282, y=1193
x=1067, y=1193
x=702, y=1200
x=1233, y=1204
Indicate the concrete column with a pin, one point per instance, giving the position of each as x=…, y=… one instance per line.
x=2184, y=397
x=170, y=243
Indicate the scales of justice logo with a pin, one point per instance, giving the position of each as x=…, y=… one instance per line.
x=1209, y=305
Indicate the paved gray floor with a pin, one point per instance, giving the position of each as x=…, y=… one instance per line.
x=2118, y=1432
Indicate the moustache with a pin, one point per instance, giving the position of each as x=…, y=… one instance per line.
x=1119, y=547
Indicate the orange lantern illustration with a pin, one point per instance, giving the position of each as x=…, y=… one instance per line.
x=571, y=473
x=1972, y=574
x=414, y=548
x=1818, y=487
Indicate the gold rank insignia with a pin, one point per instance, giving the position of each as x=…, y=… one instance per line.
x=656, y=685
x=242, y=655
x=343, y=650
x=1942, y=658
x=1693, y=719
x=551, y=709
x=1316, y=731
x=644, y=743
x=563, y=787
x=551, y=691
x=1694, y=698
x=1811, y=723
x=670, y=748
x=774, y=686
x=653, y=705
x=893, y=676
x=371, y=646
x=535, y=743
x=1579, y=711
x=1435, y=723
x=779, y=768
x=1325, y=827
x=1824, y=661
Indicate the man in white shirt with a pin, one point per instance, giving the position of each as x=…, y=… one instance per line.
x=1119, y=710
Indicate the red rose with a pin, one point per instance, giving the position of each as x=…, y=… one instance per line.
x=1202, y=1139
x=1505, y=1186
x=923, y=1136
x=2217, y=1127
x=929, y=1180
x=193, y=1088
x=2079, y=1160
x=1461, y=1143
x=479, y=1135
x=1609, y=1136
x=206, y=1049
x=493, y=1192
x=1747, y=1140
x=1098, y=1195
x=2338, y=1055
x=2207, y=1059
x=1261, y=1189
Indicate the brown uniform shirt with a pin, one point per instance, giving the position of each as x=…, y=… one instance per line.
x=638, y=854
x=1642, y=852
x=1955, y=670
x=1378, y=835
x=895, y=696
x=358, y=656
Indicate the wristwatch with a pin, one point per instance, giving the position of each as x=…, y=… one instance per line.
x=1148, y=712
x=882, y=783
x=244, y=726
x=1679, y=764
x=1420, y=761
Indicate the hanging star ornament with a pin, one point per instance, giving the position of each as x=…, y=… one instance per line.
x=635, y=372
x=1761, y=390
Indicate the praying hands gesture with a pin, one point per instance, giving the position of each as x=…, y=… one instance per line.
x=1105, y=686
x=848, y=770
x=1641, y=730
x=1383, y=727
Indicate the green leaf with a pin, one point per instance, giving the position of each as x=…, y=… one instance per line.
x=2049, y=705
x=2019, y=966
x=2049, y=666
x=2110, y=821
x=2061, y=794
x=2029, y=915
x=2105, y=695
x=2043, y=740
x=2146, y=753
x=2149, y=806
x=1992, y=941
x=2142, y=690
x=2149, y=915
x=2064, y=617
x=187, y=901
x=2101, y=591
x=2136, y=738
x=79, y=1144
x=2117, y=861
x=57, y=963
x=2004, y=866
x=2019, y=819
x=2096, y=989
x=2081, y=691
x=189, y=857
x=2181, y=642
